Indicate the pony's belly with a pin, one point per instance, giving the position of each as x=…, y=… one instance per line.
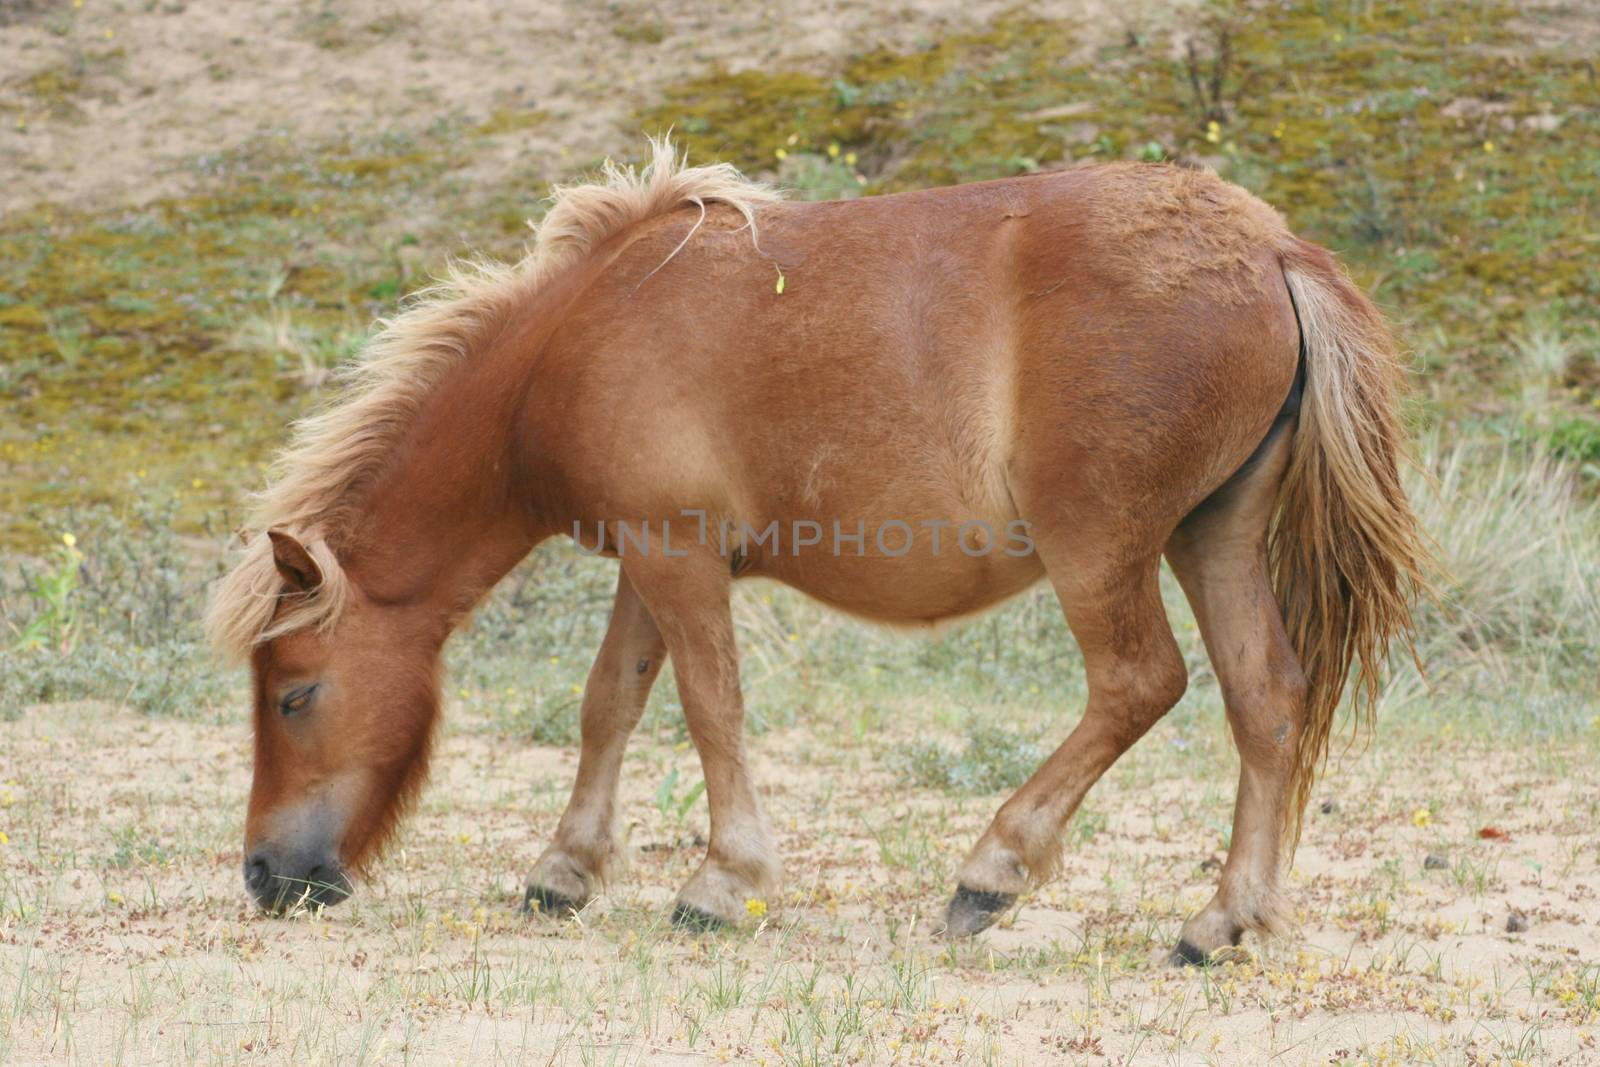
x=920, y=587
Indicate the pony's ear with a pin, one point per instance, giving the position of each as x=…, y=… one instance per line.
x=299, y=570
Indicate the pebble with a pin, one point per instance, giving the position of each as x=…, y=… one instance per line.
x=1435, y=862
x=1516, y=923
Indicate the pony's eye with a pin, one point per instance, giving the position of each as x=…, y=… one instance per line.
x=299, y=700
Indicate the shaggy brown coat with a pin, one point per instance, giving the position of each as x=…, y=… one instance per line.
x=1130, y=361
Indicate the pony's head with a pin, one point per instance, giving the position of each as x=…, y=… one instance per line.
x=346, y=694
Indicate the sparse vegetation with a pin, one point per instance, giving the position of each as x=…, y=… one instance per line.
x=993, y=759
x=1209, y=64
x=109, y=615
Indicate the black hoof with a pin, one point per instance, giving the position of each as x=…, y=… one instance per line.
x=689, y=918
x=972, y=911
x=541, y=901
x=1186, y=955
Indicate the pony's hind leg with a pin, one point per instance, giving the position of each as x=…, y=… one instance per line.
x=1219, y=554
x=1135, y=675
x=585, y=848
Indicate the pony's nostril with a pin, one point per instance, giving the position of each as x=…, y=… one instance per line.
x=256, y=873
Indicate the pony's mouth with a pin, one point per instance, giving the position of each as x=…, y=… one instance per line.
x=280, y=887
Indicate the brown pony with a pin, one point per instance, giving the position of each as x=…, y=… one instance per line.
x=1068, y=375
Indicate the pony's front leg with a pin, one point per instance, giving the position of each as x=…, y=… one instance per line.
x=689, y=598
x=585, y=849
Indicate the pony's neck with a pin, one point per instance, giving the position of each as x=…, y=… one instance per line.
x=462, y=502
x=451, y=514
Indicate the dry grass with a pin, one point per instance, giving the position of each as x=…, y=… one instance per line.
x=125, y=938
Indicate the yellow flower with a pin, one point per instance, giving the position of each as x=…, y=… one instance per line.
x=4, y=840
x=69, y=540
x=833, y=150
x=1213, y=131
x=781, y=153
x=1488, y=146
x=850, y=158
x=198, y=483
x=1421, y=818
x=756, y=907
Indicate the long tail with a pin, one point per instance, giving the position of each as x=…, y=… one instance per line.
x=1347, y=553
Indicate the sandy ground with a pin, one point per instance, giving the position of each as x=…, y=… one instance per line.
x=104, y=103
x=125, y=937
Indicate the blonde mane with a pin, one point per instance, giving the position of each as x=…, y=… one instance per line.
x=342, y=448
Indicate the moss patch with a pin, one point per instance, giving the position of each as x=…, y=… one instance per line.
x=133, y=354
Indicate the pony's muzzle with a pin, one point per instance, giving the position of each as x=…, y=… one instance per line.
x=279, y=884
